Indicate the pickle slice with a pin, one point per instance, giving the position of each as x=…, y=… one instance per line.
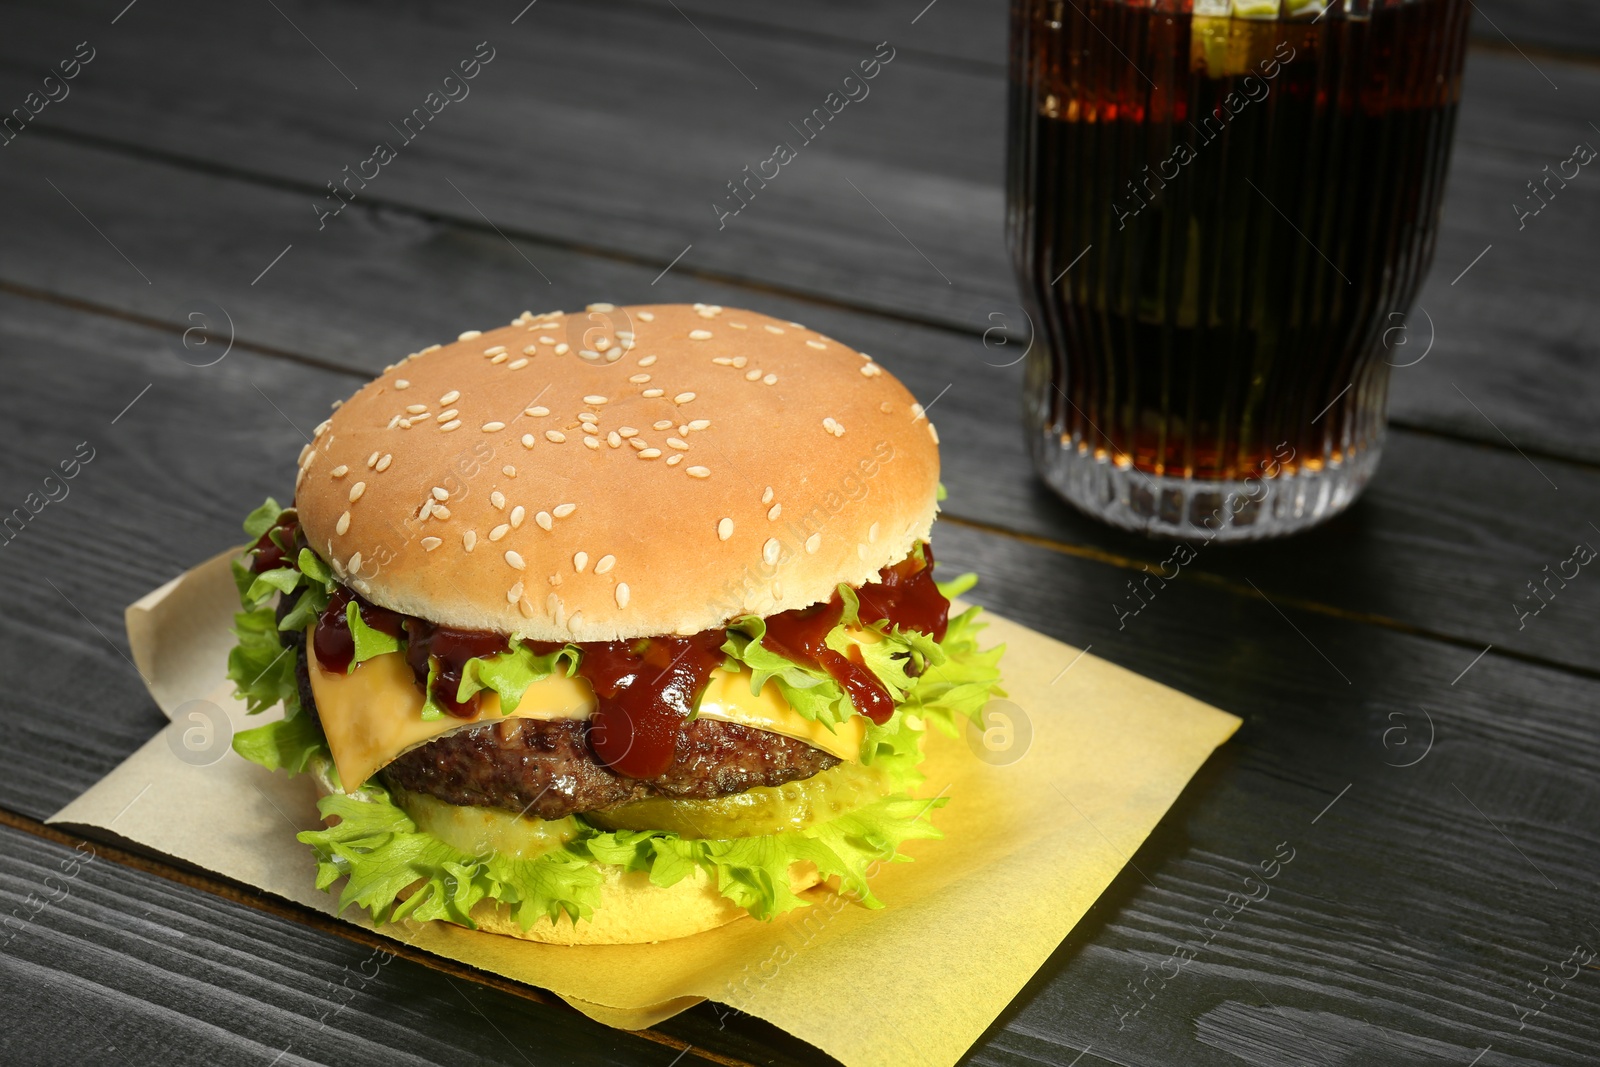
x=755, y=812
x=481, y=831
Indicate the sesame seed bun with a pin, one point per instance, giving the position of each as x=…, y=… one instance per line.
x=727, y=463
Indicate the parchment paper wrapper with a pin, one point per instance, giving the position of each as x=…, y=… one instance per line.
x=1078, y=766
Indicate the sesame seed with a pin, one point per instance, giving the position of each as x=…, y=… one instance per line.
x=467, y=335
x=469, y=540
x=575, y=622
x=501, y=358
x=515, y=560
x=614, y=439
x=650, y=453
x=722, y=361
x=563, y=348
x=555, y=435
x=322, y=428
x=602, y=343
x=509, y=471
x=525, y=606
x=933, y=433
x=561, y=511
x=514, y=594
x=343, y=525
x=494, y=351
x=537, y=412
x=416, y=409
x=738, y=326
x=816, y=344
x=404, y=424
x=724, y=529
x=430, y=348
x=544, y=520
x=594, y=400
x=772, y=329
x=699, y=335
x=870, y=370
x=628, y=431
x=770, y=550
x=605, y=564
x=493, y=427
x=697, y=472
x=430, y=543
x=774, y=511
x=441, y=511
x=542, y=340
x=813, y=542
x=447, y=414
x=453, y=424
x=426, y=510
x=601, y=307
x=622, y=594
x=498, y=499
x=653, y=393
x=517, y=514
x=440, y=493
x=753, y=375
x=674, y=459
x=646, y=316
x=662, y=424
x=588, y=353
x=533, y=350
x=499, y=532
x=639, y=443
x=356, y=491
x=766, y=496
x=740, y=361
x=916, y=411
x=678, y=443
x=372, y=459
x=355, y=563
x=872, y=533
x=771, y=379
x=580, y=560
x=588, y=418
x=401, y=383
x=683, y=398
x=305, y=454
x=527, y=440
x=341, y=470
x=647, y=361
x=453, y=395
x=591, y=442
x=700, y=424
x=639, y=379
x=797, y=326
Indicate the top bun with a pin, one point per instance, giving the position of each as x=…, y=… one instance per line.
x=624, y=472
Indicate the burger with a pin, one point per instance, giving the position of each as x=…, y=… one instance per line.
x=609, y=627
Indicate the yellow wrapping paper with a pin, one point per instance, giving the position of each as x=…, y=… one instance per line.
x=1078, y=766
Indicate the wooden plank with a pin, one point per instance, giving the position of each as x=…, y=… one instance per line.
x=1405, y=921
x=1446, y=540
x=102, y=958
x=1447, y=917
x=560, y=153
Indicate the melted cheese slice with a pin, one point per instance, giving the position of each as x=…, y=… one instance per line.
x=373, y=715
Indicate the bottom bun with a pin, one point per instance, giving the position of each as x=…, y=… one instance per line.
x=633, y=912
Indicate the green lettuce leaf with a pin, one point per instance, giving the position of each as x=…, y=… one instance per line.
x=380, y=852
x=260, y=667
x=368, y=642
x=510, y=673
x=288, y=744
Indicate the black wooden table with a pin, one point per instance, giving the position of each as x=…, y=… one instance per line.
x=1430, y=756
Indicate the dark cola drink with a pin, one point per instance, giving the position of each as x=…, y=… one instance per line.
x=1219, y=217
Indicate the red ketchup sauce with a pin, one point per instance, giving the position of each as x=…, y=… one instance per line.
x=265, y=555
x=904, y=594
x=644, y=691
